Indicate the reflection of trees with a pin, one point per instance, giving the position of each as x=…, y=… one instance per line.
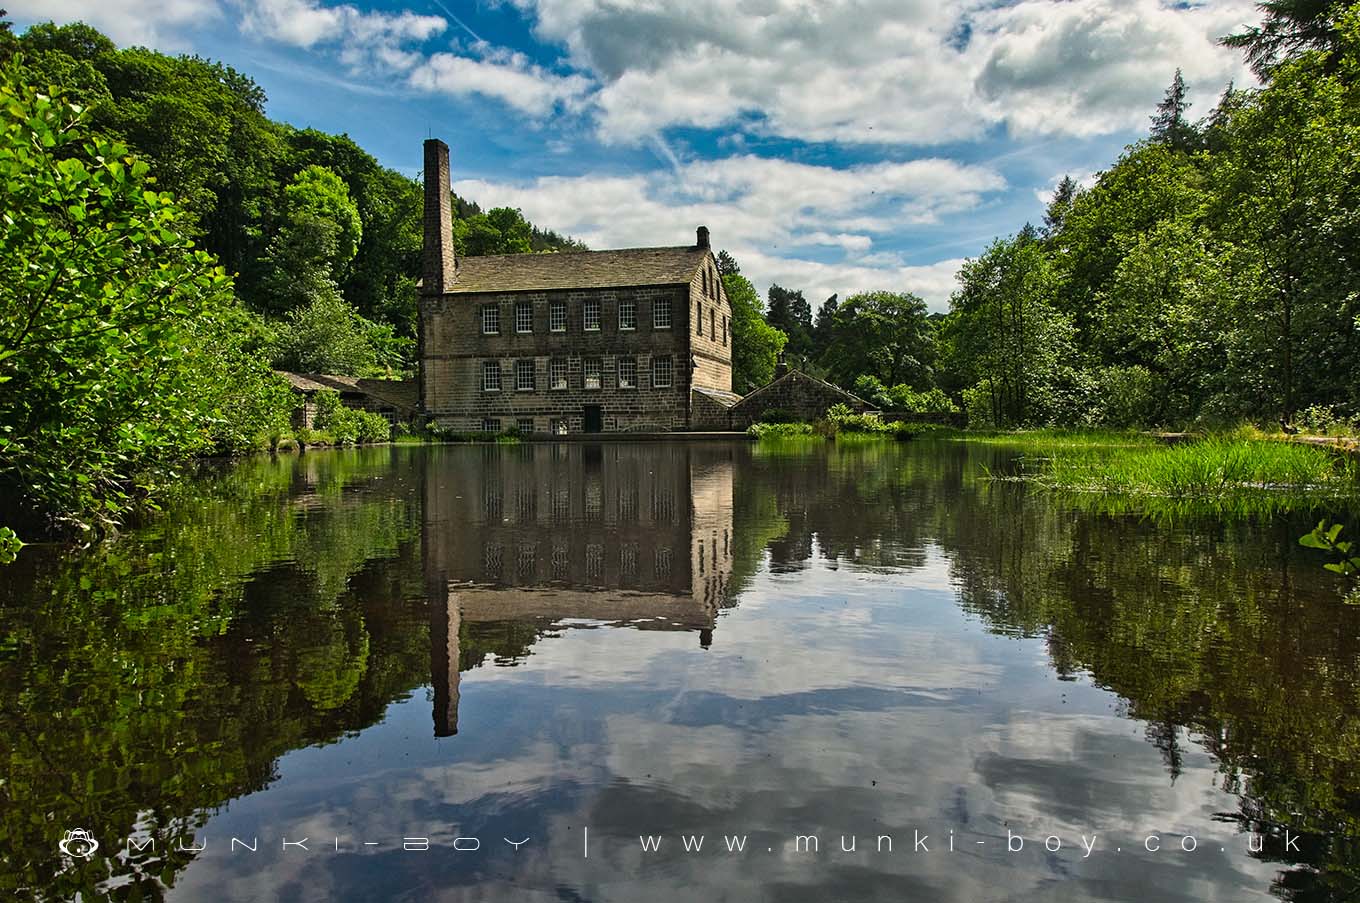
x=275, y=606
x=1212, y=631
x=1219, y=634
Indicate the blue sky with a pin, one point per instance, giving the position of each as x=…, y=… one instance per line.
x=830, y=146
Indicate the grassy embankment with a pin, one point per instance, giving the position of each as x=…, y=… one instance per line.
x=1242, y=469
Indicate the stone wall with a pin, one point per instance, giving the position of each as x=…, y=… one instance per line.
x=454, y=349
x=708, y=414
x=803, y=397
x=709, y=328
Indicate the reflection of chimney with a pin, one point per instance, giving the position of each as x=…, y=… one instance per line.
x=701, y=236
x=446, y=618
x=439, y=265
x=706, y=637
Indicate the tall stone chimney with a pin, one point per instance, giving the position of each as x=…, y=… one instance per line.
x=438, y=264
x=702, y=238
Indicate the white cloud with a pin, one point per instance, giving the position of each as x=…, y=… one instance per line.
x=889, y=71
x=756, y=204
x=501, y=75
x=367, y=41
x=1088, y=67
x=155, y=23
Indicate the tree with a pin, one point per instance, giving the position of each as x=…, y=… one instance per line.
x=328, y=336
x=1007, y=339
x=823, y=326
x=1284, y=190
x=1064, y=196
x=727, y=265
x=756, y=345
x=887, y=335
x=1169, y=125
x=103, y=300
x=502, y=230
x=789, y=312
x=1291, y=27
x=318, y=236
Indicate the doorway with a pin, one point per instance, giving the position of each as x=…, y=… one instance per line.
x=593, y=417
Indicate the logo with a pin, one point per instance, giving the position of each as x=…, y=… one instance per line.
x=78, y=844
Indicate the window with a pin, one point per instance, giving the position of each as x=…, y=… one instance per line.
x=525, y=425
x=557, y=316
x=661, y=372
x=591, y=366
x=491, y=376
x=698, y=319
x=524, y=316
x=591, y=316
x=627, y=373
x=661, y=313
x=491, y=319
x=627, y=315
x=557, y=373
x=724, y=332
x=524, y=376
x=491, y=425
x=712, y=325
x=557, y=426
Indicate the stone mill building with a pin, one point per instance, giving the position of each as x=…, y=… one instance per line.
x=638, y=339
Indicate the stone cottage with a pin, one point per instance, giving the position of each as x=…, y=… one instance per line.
x=638, y=339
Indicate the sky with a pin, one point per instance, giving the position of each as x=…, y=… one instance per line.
x=832, y=147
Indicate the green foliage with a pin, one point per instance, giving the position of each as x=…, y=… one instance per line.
x=789, y=312
x=342, y=425
x=841, y=420
x=779, y=430
x=1008, y=342
x=502, y=230
x=10, y=544
x=1327, y=538
x=103, y=300
x=887, y=335
x=903, y=398
x=755, y=343
x=329, y=336
x=1218, y=467
x=1326, y=420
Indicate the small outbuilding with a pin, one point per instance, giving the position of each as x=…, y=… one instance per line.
x=395, y=399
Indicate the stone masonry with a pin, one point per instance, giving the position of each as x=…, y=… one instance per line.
x=569, y=342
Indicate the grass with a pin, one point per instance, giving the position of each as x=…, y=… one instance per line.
x=1215, y=469
x=1039, y=439
x=779, y=430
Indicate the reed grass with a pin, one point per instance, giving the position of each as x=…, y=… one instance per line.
x=1213, y=468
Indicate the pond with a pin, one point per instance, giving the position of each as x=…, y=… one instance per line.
x=670, y=671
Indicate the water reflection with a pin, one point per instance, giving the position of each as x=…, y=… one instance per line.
x=662, y=638
x=626, y=535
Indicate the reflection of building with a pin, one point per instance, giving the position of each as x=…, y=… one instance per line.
x=631, y=535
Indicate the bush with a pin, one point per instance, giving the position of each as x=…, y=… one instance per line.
x=779, y=430
x=932, y=401
x=348, y=426
x=844, y=420
x=1324, y=420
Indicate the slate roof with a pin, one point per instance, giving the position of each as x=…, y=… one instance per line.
x=796, y=375
x=578, y=270
x=401, y=394
x=726, y=399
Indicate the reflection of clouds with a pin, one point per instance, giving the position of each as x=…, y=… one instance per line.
x=828, y=704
